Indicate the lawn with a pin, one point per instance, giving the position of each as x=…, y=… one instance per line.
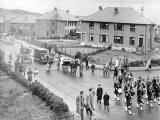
x=17, y=103
x=103, y=57
x=63, y=43
x=73, y=50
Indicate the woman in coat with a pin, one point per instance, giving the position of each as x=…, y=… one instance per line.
x=106, y=98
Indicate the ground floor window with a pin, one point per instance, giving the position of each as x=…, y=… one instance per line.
x=118, y=39
x=47, y=33
x=132, y=41
x=91, y=37
x=104, y=38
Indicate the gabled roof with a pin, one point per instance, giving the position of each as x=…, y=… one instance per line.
x=57, y=14
x=118, y=15
x=24, y=19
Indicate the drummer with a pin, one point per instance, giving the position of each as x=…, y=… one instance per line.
x=118, y=90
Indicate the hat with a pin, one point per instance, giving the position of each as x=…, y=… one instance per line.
x=81, y=92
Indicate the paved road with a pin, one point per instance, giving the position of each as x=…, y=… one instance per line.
x=68, y=87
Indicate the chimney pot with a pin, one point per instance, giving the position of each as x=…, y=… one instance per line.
x=55, y=8
x=115, y=11
x=100, y=7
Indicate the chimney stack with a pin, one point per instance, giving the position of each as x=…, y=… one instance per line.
x=55, y=8
x=100, y=8
x=116, y=11
x=67, y=11
x=142, y=11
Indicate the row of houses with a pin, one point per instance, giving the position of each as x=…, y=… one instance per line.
x=118, y=26
x=23, y=25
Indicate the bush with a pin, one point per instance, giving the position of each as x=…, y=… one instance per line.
x=136, y=64
x=54, y=102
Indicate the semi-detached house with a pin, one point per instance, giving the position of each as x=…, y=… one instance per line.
x=117, y=26
x=57, y=23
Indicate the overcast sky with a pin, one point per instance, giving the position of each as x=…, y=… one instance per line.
x=84, y=7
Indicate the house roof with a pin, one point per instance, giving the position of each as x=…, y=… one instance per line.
x=118, y=15
x=57, y=14
x=24, y=19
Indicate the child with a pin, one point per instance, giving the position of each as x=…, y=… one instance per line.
x=106, y=98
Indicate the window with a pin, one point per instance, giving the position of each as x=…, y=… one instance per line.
x=47, y=33
x=132, y=41
x=104, y=26
x=132, y=28
x=118, y=26
x=91, y=38
x=103, y=38
x=91, y=25
x=118, y=39
x=52, y=31
x=65, y=23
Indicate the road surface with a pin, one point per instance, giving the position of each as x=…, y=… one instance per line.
x=68, y=87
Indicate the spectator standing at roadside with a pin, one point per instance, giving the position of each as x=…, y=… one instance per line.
x=81, y=69
x=148, y=64
x=35, y=74
x=93, y=68
x=80, y=105
x=29, y=73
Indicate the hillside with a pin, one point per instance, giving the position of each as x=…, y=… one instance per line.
x=16, y=13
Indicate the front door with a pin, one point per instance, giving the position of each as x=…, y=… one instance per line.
x=140, y=41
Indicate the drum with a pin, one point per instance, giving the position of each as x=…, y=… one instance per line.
x=120, y=90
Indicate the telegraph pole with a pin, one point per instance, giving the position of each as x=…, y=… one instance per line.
x=4, y=23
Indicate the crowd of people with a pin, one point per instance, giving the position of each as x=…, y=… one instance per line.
x=21, y=68
x=126, y=88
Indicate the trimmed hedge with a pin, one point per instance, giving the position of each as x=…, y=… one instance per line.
x=54, y=102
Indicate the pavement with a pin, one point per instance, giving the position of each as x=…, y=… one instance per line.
x=68, y=87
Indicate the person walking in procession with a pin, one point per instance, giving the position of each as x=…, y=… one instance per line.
x=99, y=94
x=106, y=98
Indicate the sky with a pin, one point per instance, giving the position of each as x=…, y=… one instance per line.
x=84, y=7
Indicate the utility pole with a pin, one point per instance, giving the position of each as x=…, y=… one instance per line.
x=4, y=23
x=56, y=23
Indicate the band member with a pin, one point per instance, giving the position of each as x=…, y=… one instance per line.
x=117, y=86
x=128, y=101
x=115, y=73
x=149, y=93
x=156, y=90
x=140, y=93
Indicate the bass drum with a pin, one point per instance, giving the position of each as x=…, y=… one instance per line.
x=120, y=90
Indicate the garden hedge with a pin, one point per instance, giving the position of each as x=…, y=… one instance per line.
x=54, y=102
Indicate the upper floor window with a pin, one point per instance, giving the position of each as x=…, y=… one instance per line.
x=103, y=38
x=118, y=39
x=118, y=26
x=132, y=41
x=91, y=37
x=104, y=26
x=91, y=25
x=132, y=28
